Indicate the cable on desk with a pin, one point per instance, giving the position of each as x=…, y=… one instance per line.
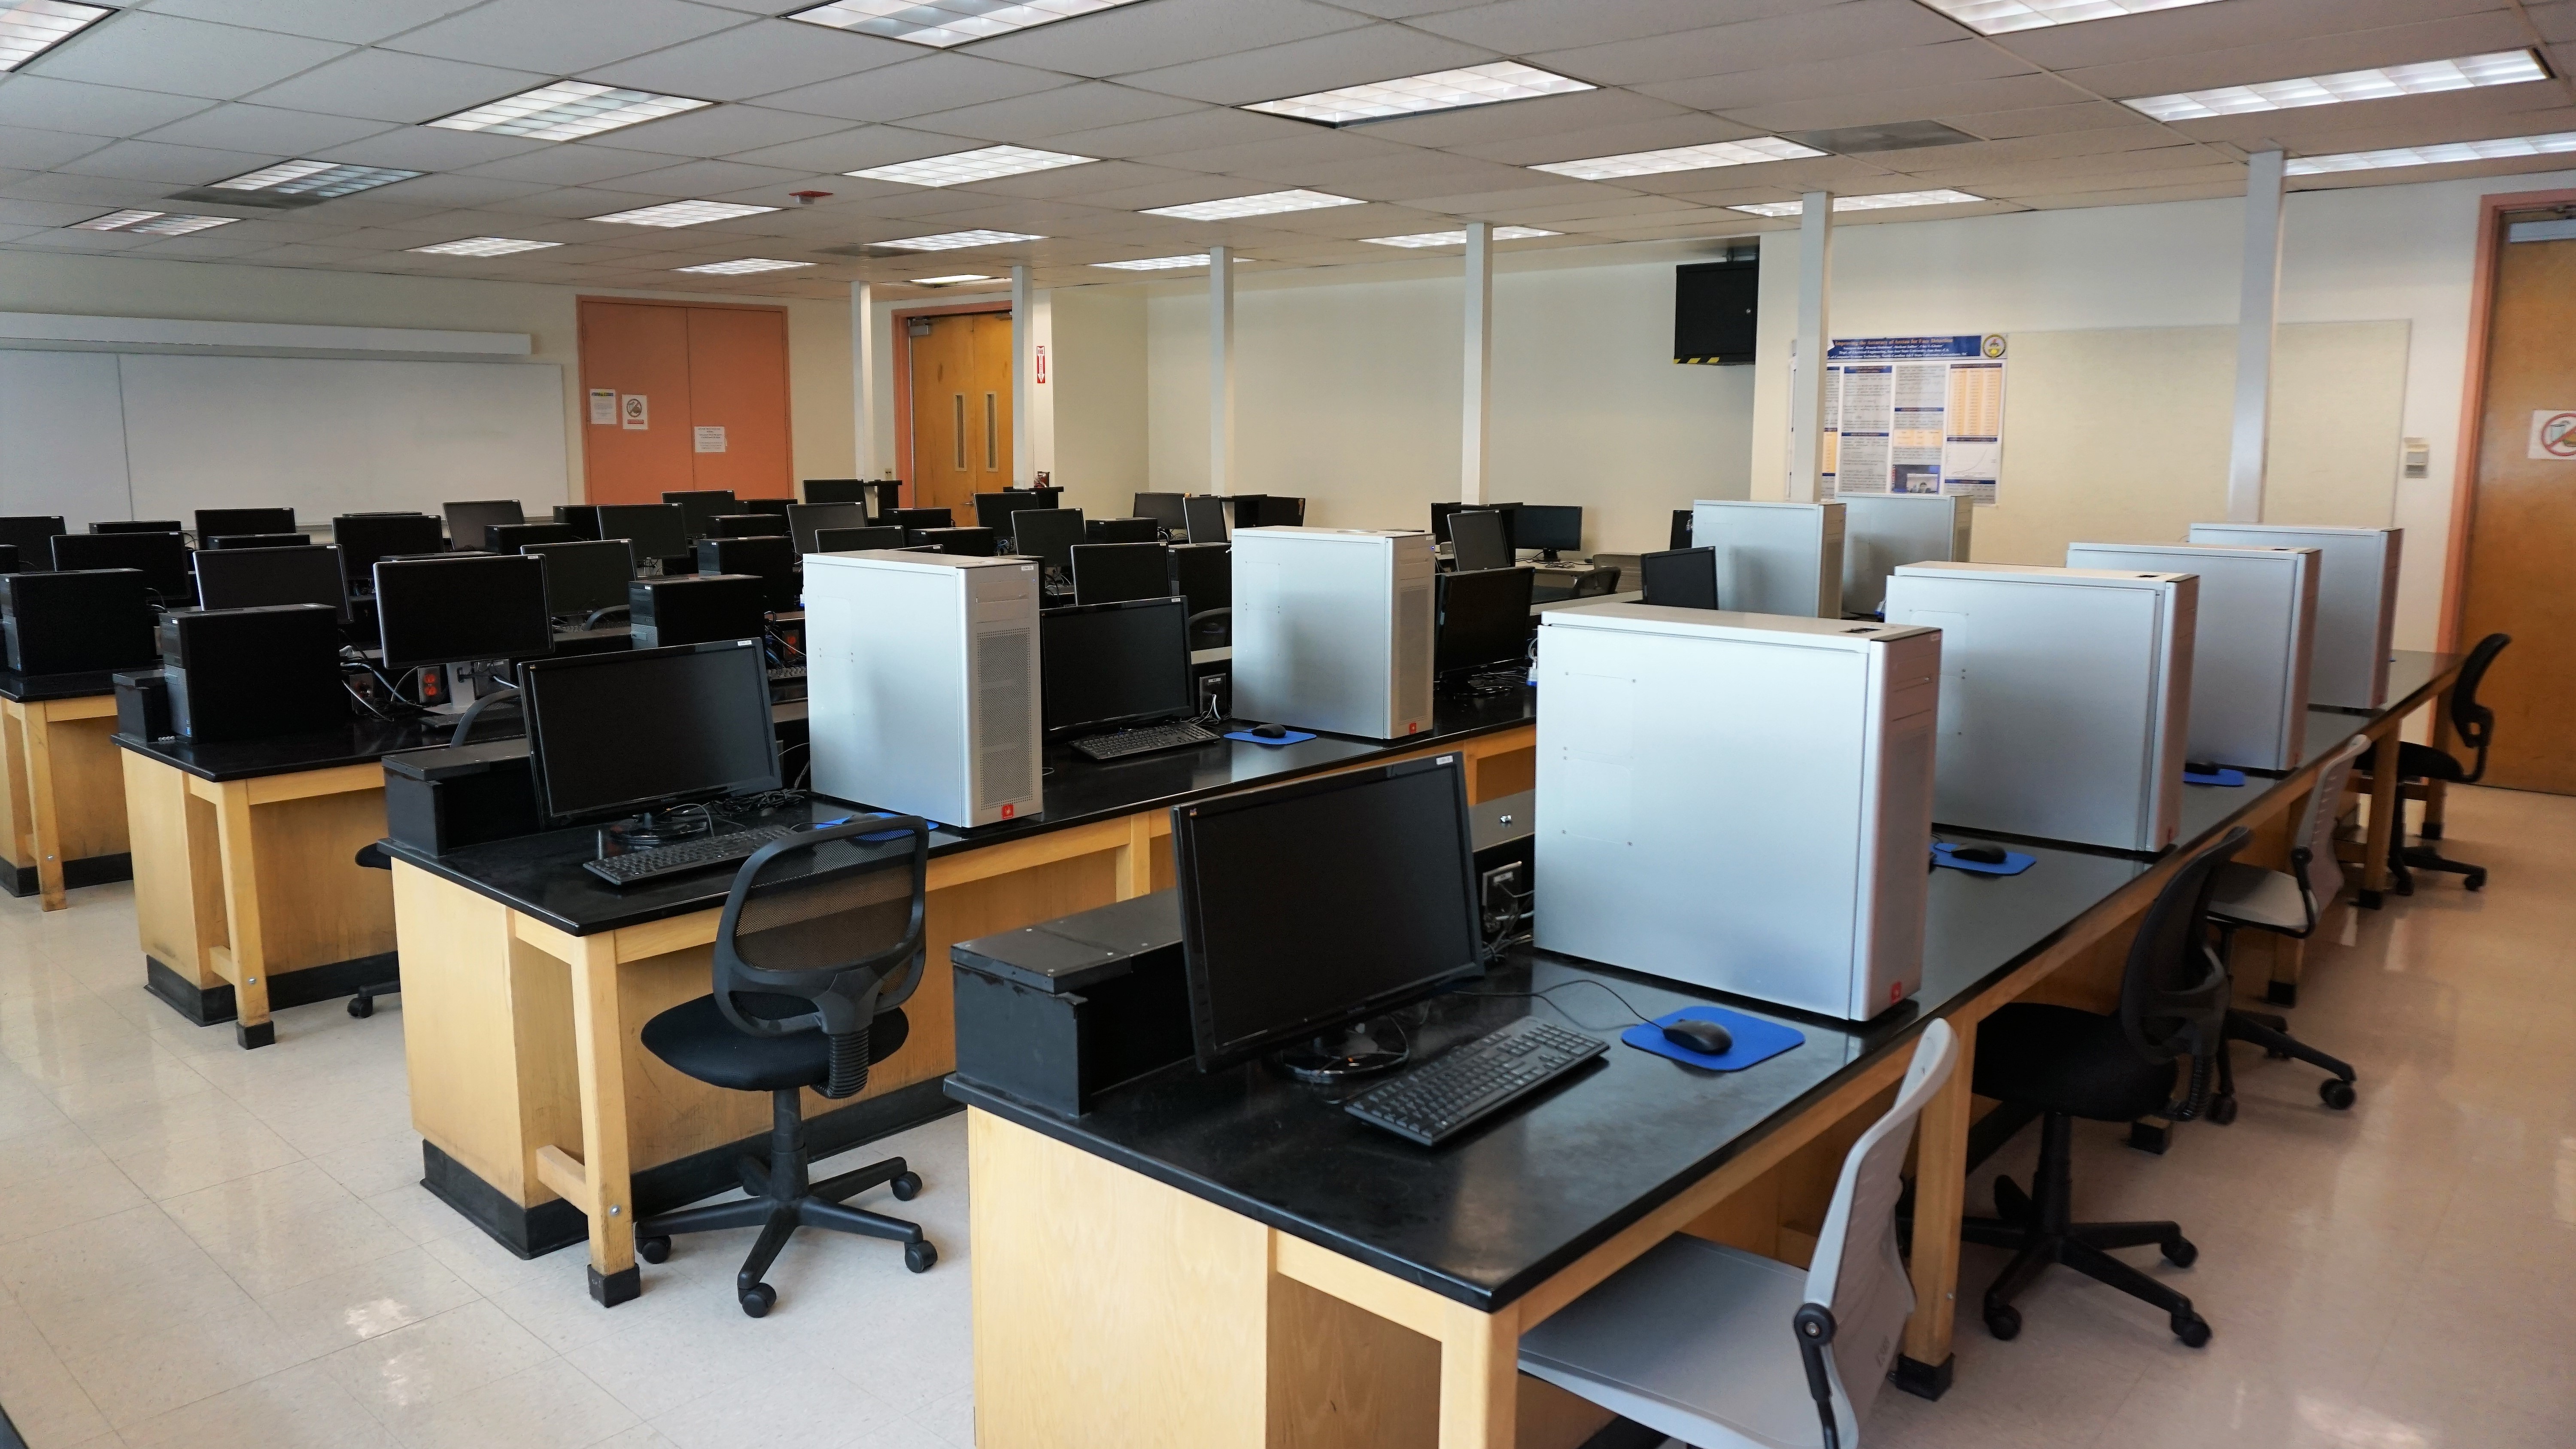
x=1560, y=986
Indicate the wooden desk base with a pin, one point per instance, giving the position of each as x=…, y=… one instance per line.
x=62, y=817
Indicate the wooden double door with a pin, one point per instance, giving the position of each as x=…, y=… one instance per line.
x=681, y=396
x=961, y=409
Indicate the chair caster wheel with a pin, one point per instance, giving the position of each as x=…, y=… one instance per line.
x=919, y=1256
x=2192, y=1329
x=2222, y=1110
x=2336, y=1093
x=758, y=1299
x=2181, y=1252
x=2004, y=1321
x=2475, y=880
x=361, y=1007
x=907, y=1186
x=653, y=1250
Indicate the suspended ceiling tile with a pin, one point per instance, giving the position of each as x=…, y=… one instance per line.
x=2088, y=115
x=1816, y=33
x=934, y=82
x=461, y=190
x=2137, y=196
x=359, y=22
x=2308, y=55
x=1857, y=76
x=1167, y=32
x=2197, y=29
x=178, y=56
x=1348, y=57
x=710, y=179
x=32, y=148
x=719, y=131
x=572, y=164
x=238, y=127
x=1866, y=107
x=1688, y=128
x=1086, y=182
x=385, y=85
x=755, y=60
x=1318, y=146
x=158, y=162
x=563, y=37
x=855, y=148
x=44, y=104
x=18, y=211
x=1538, y=117
x=419, y=148
x=1204, y=129
x=1528, y=27
x=1043, y=119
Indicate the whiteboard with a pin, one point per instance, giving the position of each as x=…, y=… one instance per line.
x=101, y=435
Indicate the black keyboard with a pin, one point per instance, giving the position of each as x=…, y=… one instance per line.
x=792, y=671
x=1144, y=741
x=636, y=867
x=1433, y=1103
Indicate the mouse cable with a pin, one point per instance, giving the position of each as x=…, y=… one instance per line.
x=1568, y=1015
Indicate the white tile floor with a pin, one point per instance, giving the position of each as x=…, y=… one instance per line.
x=211, y=1248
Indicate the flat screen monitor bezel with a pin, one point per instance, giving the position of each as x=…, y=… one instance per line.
x=532, y=685
x=1185, y=695
x=544, y=622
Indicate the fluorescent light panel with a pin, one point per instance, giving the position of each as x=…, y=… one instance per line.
x=2504, y=148
x=952, y=281
x=944, y=23
x=742, y=266
x=321, y=180
x=1995, y=17
x=949, y=241
x=1881, y=202
x=153, y=223
x=484, y=246
x=1682, y=158
x=29, y=28
x=989, y=164
x=683, y=213
x=2499, y=68
x=1414, y=95
x=1156, y=264
x=1267, y=203
x=1455, y=238
x=568, y=111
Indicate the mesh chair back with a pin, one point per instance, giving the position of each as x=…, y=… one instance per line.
x=2320, y=874
x=2173, y=992
x=837, y=924
x=2473, y=722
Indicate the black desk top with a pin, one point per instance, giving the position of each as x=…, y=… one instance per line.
x=359, y=742
x=541, y=875
x=35, y=688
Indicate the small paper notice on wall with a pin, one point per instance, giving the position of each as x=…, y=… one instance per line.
x=603, y=407
x=637, y=415
x=2553, y=433
x=710, y=440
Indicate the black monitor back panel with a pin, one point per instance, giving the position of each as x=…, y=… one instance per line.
x=1681, y=578
x=1107, y=573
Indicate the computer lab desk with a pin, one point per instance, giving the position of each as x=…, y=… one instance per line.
x=65, y=805
x=527, y=980
x=1229, y=1258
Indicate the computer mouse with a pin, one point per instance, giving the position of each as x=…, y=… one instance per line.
x=1981, y=854
x=1705, y=1037
x=1271, y=731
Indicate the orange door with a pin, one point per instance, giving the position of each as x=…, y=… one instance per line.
x=640, y=354
x=738, y=386
x=961, y=410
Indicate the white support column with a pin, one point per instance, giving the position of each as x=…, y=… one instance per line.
x=1478, y=410
x=1024, y=344
x=863, y=384
x=2257, y=308
x=1807, y=396
x=1220, y=369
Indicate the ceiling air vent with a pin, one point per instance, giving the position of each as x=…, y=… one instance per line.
x=253, y=200
x=1894, y=136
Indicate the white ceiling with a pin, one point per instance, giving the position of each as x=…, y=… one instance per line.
x=176, y=93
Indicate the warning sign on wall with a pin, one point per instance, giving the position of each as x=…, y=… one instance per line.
x=710, y=440
x=2553, y=433
x=637, y=414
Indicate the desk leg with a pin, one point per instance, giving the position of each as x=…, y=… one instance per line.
x=2381, y=837
x=1480, y=1356
x=2437, y=792
x=599, y=1050
x=1940, y=1200
x=251, y=1024
x=48, y=841
x=1136, y=859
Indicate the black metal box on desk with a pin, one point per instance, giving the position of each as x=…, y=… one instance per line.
x=697, y=609
x=77, y=620
x=446, y=799
x=247, y=674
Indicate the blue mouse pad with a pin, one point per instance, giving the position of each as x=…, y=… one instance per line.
x=1290, y=738
x=2014, y=862
x=1756, y=1040
x=2232, y=779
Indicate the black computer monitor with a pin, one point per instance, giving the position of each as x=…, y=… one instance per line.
x=137, y=525
x=699, y=506
x=251, y=578
x=807, y=519
x=1682, y=527
x=774, y=507
x=1047, y=533
x=584, y=518
x=1317, y=903
x=253, y=540
x=836, y=490
x=219, y=522
x=466, y=521
x=1440, y=513
x=854, y=540
x=9, y=559
x=969, y=542
x=1205, y=515
x=163, y=558
x=1205, y=575
x=1484, y=620
x=747, y=525
x=1121, y=530
x=33, y=535
x=885, y=495
x=461, y=610
x=1168, y=510
x=1106, y=665
x=1681, y=578
x=771, y=558
x=366, y=537
x=1270, y=510
x=1478, y=537
x=911, y=518
x=655, y=529
x=635, y=731
x=584, y=575
x=994, y=510
x=1106, y=573
x=512, y=537
x=1551, y=528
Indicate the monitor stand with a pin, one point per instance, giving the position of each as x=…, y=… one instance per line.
x=1364, y=1048
x=653, y=829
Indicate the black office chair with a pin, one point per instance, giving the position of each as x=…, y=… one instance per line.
x=2070, y=1063
x=816, y=951
x=1210, y=628
x=2420, y=765
x=1594, y=582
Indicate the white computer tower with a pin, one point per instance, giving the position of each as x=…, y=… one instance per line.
x=1333, y=629
x=1774, y=558
x=1739, y=801
x=2356, y=602
x=922, y=683
x=2255, y=630
x=2065, y=694
x=1883, y=531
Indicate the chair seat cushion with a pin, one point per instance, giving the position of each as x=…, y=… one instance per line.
x=695, y=1039
x=2418, y=762
x=2059, y=1059
x=2249, y=895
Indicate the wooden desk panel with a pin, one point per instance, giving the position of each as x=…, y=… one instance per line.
x=65, y=802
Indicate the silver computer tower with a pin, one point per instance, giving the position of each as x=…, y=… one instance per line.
x=1740, y=801
x=2356, y=602
x=2065, y=694
x=1883, y=531
x=1774, y=558
x=2255, y=631
x=922, y=683
x=1333, y=629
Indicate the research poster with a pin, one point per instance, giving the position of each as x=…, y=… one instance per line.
x=1915, y=415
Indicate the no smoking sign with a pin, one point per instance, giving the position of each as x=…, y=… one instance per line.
x=2553, y=434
